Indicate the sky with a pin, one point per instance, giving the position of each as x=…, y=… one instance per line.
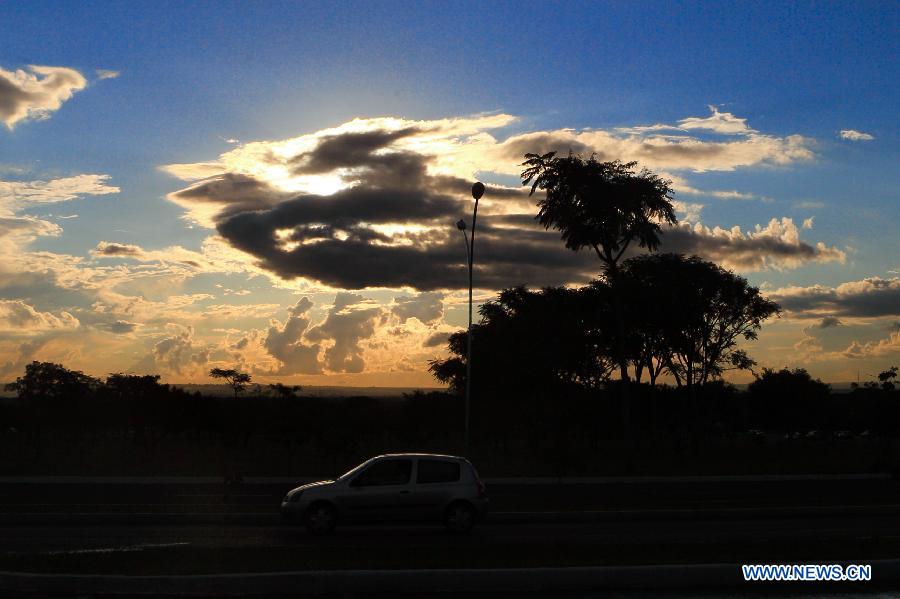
x=274, y=186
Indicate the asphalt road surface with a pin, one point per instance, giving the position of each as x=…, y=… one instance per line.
x=668, y=523
x=261, y=498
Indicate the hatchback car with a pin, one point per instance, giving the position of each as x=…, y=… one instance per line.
x=405, y=487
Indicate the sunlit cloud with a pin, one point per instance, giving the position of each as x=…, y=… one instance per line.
x=16, y=195
x=18, y=318
x=35, y=92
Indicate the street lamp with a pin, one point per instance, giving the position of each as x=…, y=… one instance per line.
x=477, y=192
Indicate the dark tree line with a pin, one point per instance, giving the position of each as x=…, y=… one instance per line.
x=685, y=318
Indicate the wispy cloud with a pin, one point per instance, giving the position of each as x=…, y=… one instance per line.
x=106, y=74
x=854, y=135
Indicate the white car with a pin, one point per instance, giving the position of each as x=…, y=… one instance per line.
x=402, y=487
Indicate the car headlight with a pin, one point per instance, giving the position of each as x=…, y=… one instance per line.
x=295, y=497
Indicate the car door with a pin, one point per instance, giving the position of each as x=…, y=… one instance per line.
x=436, y=481
x=378, y=493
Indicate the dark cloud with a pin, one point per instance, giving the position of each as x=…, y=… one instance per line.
x=108, y=249
x=356, y=239
x=541, y=143
x=829, y=322
x=121, y=327
x=349, y=150
x=436, y=339
x=228, y=194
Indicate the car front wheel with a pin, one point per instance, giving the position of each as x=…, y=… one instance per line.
x=320, y=519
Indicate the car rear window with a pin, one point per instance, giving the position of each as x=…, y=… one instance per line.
x=437, y=471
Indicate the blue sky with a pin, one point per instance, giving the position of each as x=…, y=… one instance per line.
x=193, y=75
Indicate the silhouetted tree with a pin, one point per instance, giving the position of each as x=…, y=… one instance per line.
x=134, y=386
x=606, y=206
x=786, y=397
x=285, y=391
x=887, y=378
x=532, y=342
x=237, y=380
x=689, y=316
x=46, y=380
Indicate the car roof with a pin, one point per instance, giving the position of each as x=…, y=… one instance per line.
x=420, y=455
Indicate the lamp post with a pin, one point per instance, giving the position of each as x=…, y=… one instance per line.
x=477, y=192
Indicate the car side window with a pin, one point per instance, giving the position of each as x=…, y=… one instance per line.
x=437, y=471
x=385, y=472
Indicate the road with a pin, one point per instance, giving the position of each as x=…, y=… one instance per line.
x=187, y=496
x=78, y=528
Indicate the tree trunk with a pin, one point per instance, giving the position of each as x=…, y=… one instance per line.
x=613, y=272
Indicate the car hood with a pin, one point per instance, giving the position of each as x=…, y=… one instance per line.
x=311, y=485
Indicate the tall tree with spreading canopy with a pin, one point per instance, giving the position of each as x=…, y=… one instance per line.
x=605, y=206
x=237, y=380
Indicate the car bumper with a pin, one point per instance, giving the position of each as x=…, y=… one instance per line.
x=293, y=510
x=481, y=507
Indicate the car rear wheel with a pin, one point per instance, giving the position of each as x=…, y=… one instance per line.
x=459, y=517
x=320, y=519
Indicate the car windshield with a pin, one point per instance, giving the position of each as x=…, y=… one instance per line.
x=354, y=470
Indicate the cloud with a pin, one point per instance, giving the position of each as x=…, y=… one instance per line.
x=427, y=307
x=180, y=353
x=122, y=327
x=106, y=249
x=372, y=203
x=36, y=92
x=717, y=122
x=170, y=256
x=867, y=298
x=106, y=74
x=874, y=349
x=17, y=195
x=226, y=194
x=743, y=146
x=829, y=322
x=19, y=318
x=436, y=339
x=285, y=343
x=854, y=135
x=22, y=229
x=777, y=245
x=809, y=205
x=350, y=320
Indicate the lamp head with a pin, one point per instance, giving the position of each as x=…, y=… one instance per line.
x=478, y=190
x=461, y=225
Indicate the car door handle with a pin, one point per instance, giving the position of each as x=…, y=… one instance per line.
x=404, y=492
